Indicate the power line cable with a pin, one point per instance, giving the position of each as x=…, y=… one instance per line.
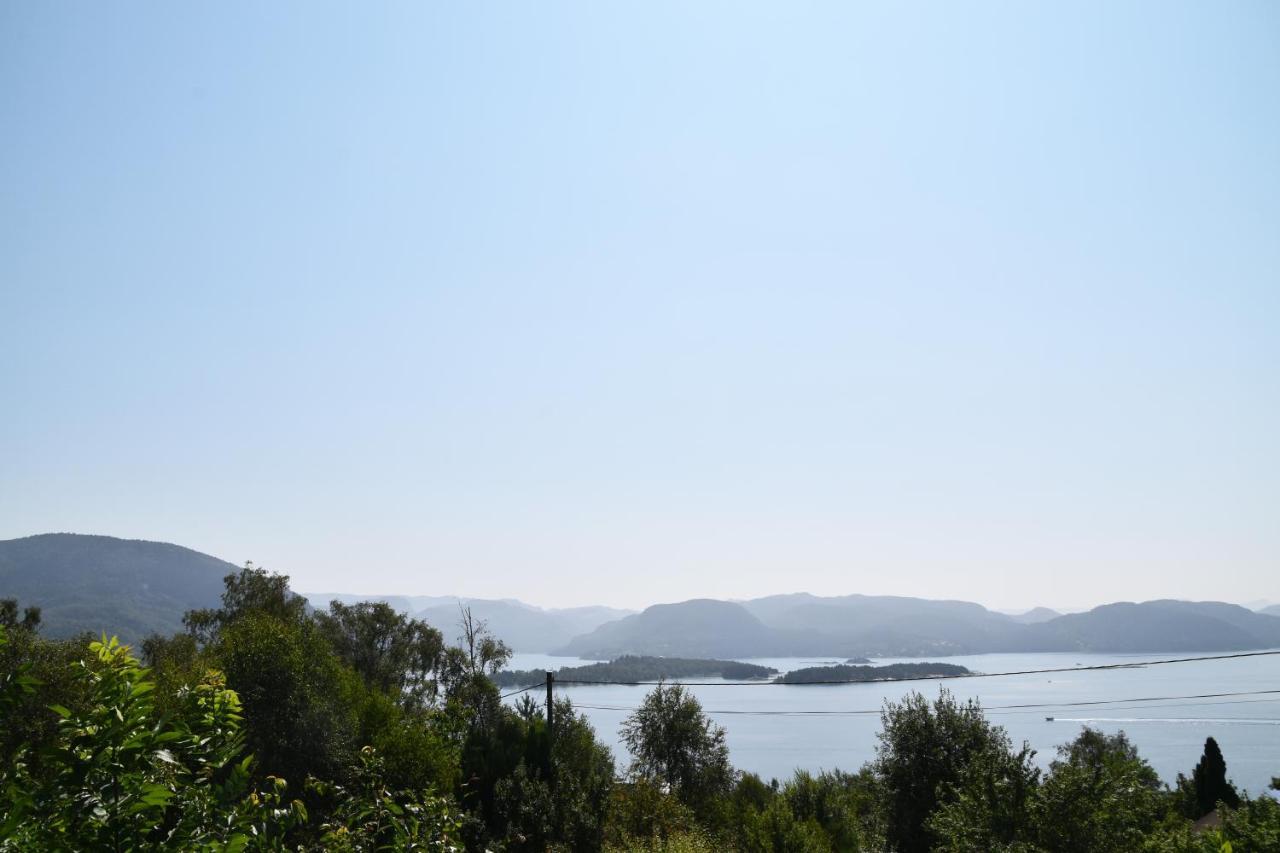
x=521, y=690
x=1178, y=706
x=1017, y=707
x=1094, y=667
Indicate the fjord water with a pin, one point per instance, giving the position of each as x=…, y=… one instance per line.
x=839, y=726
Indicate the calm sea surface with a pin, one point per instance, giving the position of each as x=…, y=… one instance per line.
x=1169, y=733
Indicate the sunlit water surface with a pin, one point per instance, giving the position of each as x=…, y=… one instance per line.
x=1169, y=733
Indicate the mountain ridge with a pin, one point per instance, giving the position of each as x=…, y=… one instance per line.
x=894, y=626
x=126, y=587
x=133, y=587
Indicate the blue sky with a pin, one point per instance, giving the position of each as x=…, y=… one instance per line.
x=625, y=303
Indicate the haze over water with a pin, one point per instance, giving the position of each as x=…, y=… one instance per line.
x=1170, y=734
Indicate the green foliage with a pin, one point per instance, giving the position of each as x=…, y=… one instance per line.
x=300, y=700
x=991, y=806
x=465, y=672
x=249, y=591
x=368, y=815
x=316, y=689
x=136, y=758
x=91, y=584
x=30, y=620
x=922, y=758
x=1253, y=826
x=394, y=654
x=1208, y=785
x=16, y=680
x=528, y=794
x=392, y=742
x=584, y=777
x=844, y=805
x=641, y=816
x=1099, y=795
x=175, y=662
x=778, y=828
x=125, y=778
x=36, y=673
x=693, y=840
x=419, y=746
x=674, y=744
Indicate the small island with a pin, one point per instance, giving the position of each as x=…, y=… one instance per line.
x=856, y=674
x=630, y=669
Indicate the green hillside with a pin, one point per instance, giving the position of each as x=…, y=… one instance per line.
x=128, y=587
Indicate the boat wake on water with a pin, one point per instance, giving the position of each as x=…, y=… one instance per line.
x=1200, y=720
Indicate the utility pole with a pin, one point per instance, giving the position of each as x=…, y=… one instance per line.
x=551, y=733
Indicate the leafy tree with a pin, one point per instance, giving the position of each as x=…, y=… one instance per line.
x=251, y=590
x=319, y=687
x=179, y=651
x=41, y=671
x=127, y=778
x=673, y=743
x=465, y=673
x=512, y=749
x=392, y=653
x=174, y=662
x=419, y=747
x=778, y=828
x=1099, y=795
x=1253, y=825
x=844, y=805
x=16, y=680
x=508, y=788
x=922, y=758
x=751, y=793
x=991, y=807
x=301, y=704
x=30, y=620
x=584, y=772
x=641, y=816
x=369, y=815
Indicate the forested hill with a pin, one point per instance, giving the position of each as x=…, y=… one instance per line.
x=844, y=673
x=132, y=588
x=126, y=587
x=1169, y=626
x=630, y=669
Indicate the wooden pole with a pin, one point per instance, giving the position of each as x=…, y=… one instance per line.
x=551, y=732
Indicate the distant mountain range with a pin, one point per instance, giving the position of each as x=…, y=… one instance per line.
x=1034, y=615
x=888, y=626
x=521, y=626
x=133, y=588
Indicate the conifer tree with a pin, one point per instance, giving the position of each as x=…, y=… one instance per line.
x=1209, y=779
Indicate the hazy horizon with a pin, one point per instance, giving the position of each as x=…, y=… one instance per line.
x=579, y=304
x=1252, y=604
